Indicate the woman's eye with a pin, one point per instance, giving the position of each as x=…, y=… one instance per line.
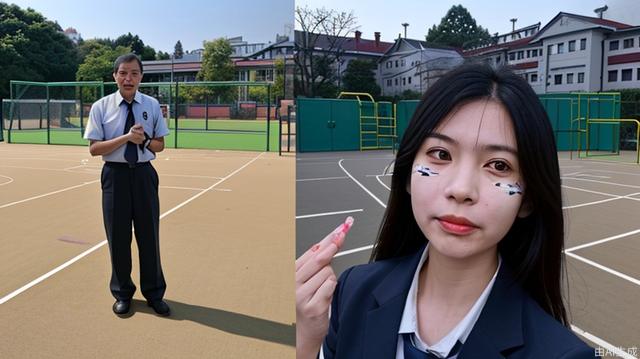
x=440, y=155
x=500, y=166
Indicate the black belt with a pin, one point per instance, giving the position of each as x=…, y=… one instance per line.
x=127, y=164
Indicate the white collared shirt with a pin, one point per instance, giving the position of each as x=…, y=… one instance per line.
x=108, y=117
x=409, y=322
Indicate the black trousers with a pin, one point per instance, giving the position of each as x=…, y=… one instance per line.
x=130, y=194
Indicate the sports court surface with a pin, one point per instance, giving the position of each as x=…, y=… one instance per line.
x=226, y=234
x=602, y=208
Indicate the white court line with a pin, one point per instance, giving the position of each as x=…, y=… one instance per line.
x=351, y=251
x=572, y=174
x=360, y=184
x=4, y=183
x=64, y=170
x=383, y=175
x=602, y=241
x=320, y=179
x=47, y=194
x=594, y=202
x=617, y=172
x=606, y=269
x=603, y=182
x=186, y=188
x=588, y=175
x=590, y=191
x=602, y=343
x=382, y=183
x=88, y=251
x=327, y=214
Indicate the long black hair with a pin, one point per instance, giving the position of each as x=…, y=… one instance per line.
x=533, y=246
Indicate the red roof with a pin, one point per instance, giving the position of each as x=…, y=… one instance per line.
x=617, y=25
x=623, y=59
x=504, y=46
x=243, y=63
x=526, y=65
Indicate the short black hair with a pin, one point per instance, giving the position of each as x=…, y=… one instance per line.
x=124, y=59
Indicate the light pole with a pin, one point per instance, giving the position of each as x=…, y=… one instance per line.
x=172, y=56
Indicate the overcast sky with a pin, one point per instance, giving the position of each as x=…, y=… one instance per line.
x=386, y=16
x=161, y=23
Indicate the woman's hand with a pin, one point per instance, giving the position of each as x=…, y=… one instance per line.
x=315, y=283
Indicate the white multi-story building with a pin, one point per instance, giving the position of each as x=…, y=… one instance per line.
x=571, y=53
x=414, y=65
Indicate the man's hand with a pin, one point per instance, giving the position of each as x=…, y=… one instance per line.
x=136, y=134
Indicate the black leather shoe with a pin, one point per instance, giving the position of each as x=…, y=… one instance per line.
x=121, y=307
x=160, y=307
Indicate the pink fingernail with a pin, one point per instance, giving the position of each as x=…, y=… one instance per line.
x=315, y=247
x=347, y=224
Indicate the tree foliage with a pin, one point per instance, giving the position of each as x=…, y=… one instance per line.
x=328, y=29
x=33, y=48
x=177, y=50
x=360, y=77
x=458, y=29
x=98, y=64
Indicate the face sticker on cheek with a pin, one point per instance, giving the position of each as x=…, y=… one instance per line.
x=425, y=171
x=509, y=188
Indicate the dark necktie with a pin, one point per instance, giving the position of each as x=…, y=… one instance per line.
x=411, y=352
x=131, y=151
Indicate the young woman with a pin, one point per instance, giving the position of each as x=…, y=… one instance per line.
x=468, y=260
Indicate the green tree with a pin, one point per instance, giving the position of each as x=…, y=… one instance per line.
x=133, y=42
x=177, y=50
x=33, y=48
x=278, y=81
x=98, y=64
x=217, y=66
x=360, y=77
x=458, y=29
x=162, y=55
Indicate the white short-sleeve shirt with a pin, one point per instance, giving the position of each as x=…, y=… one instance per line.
x=108, y=117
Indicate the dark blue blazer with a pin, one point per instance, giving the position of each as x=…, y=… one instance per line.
x=369, y=300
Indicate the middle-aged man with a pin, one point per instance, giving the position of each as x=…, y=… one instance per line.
x=127, y=129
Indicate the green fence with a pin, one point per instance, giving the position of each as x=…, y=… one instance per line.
x=569, y=112
x=209, y=115
x=332, y=124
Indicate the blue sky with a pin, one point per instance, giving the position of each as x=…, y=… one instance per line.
x=161, y=23
x=386, y=16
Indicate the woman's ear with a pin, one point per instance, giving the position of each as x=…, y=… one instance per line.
x=526, y=208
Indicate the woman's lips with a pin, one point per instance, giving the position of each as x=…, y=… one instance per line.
x=456, y=225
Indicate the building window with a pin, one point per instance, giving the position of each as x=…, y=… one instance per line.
x=409, y=80
x=572, y=45
x=404, y=81
x=580, y=77
x=627, y=74
x=613, y=75
x=520, y=55
x=638, y=69
x=627, y=43
x=534, y=53
x=388, y=82
x=551, y=50
x=570, y=78
x=558, y=80
x=396, y=81
x=534, y=77
x=613, y=45
x=498, y=60
x=512, y=56
x=583, y=44
x=402, y=63
x=561, y=48
x=528, y=53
